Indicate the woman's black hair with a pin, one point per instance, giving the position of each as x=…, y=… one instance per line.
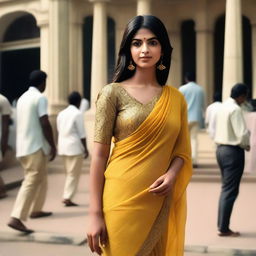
x=156, y=26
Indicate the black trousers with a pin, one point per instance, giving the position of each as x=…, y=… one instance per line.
x=231, y=163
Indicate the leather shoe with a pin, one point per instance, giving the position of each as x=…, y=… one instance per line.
x=18, y=225
x=35, y=215
x=229, y=233
x=69, y=203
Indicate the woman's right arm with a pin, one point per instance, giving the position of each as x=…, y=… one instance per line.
x=97, y=233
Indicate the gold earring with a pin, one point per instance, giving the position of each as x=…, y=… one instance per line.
x=161, y=66
x=131, y=67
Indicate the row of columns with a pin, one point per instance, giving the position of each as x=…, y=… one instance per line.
x=55, y=55
x=60, y=52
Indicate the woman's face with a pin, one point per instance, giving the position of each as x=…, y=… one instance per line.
x=145, y=48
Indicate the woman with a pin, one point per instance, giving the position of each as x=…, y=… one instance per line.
x=137, y=196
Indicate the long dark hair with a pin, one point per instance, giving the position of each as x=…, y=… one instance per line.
x=124, y=56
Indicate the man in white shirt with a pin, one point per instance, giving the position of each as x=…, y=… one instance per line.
x=34, y=144
x=211, y=114
x=232, y=138
x=71, y=145
x=5, y=112
x=194, y=95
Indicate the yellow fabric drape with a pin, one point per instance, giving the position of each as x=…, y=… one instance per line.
x=130, y=211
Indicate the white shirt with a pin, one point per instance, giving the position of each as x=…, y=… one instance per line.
x=230, y=127
x=70, y=125
x=210, y=117
x=30, y=137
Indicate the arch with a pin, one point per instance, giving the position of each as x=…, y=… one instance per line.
x=8, y=18
x=16, y=64
x=188, y=44
x=87, y=52
x=22, y=28
x=219, y=32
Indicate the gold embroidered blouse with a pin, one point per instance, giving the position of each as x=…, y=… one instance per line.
x=118, y=114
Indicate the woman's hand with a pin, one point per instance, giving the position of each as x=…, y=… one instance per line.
x=163, y=185
x=97, y=233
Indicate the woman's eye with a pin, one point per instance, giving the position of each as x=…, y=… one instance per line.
x=136, y=43
x=153, y=42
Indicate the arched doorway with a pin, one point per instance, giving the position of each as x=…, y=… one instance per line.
x=188, y=44
x=20, y=54
x=219, y=32
x=87, y=52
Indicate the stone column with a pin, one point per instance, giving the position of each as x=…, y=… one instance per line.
x=204, y=61
x=76, y=50
x=143, y=7
x=254, y=60
x=58, y=62
x=99, y=62
x=204, y=48
x=233, y=55
x=175, y=76
x=99, y=49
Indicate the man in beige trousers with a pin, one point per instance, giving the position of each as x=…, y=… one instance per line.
x=71, y=145
x=34, y=144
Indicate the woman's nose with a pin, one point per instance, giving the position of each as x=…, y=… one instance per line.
x=144, y=48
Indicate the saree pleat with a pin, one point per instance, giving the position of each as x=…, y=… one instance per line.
x=136, y=219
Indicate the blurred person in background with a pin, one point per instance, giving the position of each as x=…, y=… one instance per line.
x=71, y=145
x=34, y=144
x=195, y=98
x=232, y=138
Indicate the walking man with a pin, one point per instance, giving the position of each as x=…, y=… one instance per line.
x=34, y=144
x=5, y=111
x=194, y=95
x=71, y=145
x=232, y=138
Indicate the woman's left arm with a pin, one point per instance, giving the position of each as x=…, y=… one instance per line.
x=163, y=185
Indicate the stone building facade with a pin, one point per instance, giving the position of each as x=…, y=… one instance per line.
x=76, y=43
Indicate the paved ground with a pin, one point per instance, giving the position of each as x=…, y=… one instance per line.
x=68, y=225
x=25, y=249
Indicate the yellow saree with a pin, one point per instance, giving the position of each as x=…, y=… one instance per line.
x=139, y=223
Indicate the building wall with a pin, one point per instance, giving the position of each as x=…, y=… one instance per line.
x=61, y=45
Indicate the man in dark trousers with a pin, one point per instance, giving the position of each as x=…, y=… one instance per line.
x=232, y=138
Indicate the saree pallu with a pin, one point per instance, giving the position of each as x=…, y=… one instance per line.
x=138, y=222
